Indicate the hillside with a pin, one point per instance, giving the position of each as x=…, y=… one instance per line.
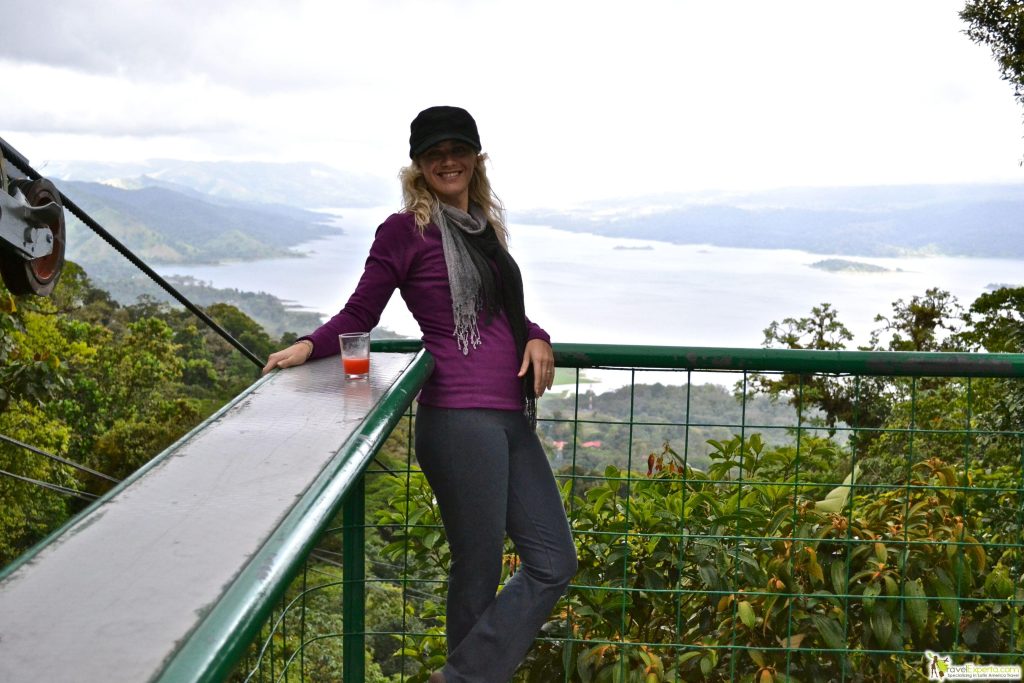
x=163, y=225
x=659, y=413
x=175, y=224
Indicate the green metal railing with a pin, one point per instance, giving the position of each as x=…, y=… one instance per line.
x=740, y=514
x=213, y=651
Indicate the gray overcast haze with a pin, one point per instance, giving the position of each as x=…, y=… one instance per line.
x=575, y=100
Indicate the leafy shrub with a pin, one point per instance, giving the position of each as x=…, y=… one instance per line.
x=764, y=568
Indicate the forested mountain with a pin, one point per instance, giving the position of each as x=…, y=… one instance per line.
x=660, y=413
x=168, y=223
x=164, y=225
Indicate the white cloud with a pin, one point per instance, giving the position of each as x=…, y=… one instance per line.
x=575, y=100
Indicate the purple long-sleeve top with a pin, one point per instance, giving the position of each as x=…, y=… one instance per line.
x=402, y=258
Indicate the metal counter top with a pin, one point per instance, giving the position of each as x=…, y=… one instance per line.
x=114, y=594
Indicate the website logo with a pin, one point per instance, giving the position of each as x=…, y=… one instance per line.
x=940, y=667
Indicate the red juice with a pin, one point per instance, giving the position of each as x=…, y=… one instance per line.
x=356, y=366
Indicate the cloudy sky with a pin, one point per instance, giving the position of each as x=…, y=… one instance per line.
x=575, y=100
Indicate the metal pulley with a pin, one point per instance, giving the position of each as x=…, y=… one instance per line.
x=32, y=232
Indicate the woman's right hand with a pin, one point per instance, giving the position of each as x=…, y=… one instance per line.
x=296, y=354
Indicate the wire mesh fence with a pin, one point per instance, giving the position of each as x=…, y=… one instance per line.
x=753, y=525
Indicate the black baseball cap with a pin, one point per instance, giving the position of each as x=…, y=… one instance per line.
x=437, y=124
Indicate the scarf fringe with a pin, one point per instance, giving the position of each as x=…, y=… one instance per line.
x=467, y=333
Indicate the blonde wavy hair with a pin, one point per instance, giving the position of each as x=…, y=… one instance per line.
x=418, y=199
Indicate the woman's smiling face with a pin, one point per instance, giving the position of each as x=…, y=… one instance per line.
x=448, y=167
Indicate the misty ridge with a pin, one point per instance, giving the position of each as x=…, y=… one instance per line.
x=983, y=220
x=203, y=212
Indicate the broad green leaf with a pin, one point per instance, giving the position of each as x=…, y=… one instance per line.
x=836, y=499
x=998, y=583
x=782, y=515
x=393, y=549
x=947, y=599
x=830, y=630
x=432, y=539
x=586, y=674
x=601, y=498
x=813, y=568
x=977, y=553
x=871, y=591
x=709, y=576
x=838, y=572
x=880, y=552
x=881, y=624
x=706, y=666
x=569, y=658
x=769, y=603
x=917, y=604
x=717, y=445
x=746, y=613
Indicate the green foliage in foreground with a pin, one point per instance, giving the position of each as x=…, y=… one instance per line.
x=785, y=573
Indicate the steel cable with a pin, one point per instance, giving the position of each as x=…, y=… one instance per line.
x=53, y=487
x=19, y=162
x=57, y=458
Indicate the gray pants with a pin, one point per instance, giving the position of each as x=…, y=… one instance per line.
x=490, y=476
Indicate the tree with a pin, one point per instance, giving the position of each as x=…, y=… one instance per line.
x=999, y=24
x=822, y=331
x=841, y=400
x=24, y=373
x=915, y=326
x=995, y=321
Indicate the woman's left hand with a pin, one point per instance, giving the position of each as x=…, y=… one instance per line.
x=539, y=355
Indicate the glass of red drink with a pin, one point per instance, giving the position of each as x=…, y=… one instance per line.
x=355, y=354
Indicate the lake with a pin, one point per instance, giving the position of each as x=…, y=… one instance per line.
x=587, y=288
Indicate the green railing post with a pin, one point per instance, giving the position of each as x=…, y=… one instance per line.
x=354, y=584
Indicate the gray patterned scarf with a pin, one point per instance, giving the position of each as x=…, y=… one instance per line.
x=468, y=295
x=472, y=252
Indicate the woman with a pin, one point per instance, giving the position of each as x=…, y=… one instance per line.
x=447, y=255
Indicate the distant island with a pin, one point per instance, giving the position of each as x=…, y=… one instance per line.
x=838, y=265
x=1001, y=285
x=623, y=247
